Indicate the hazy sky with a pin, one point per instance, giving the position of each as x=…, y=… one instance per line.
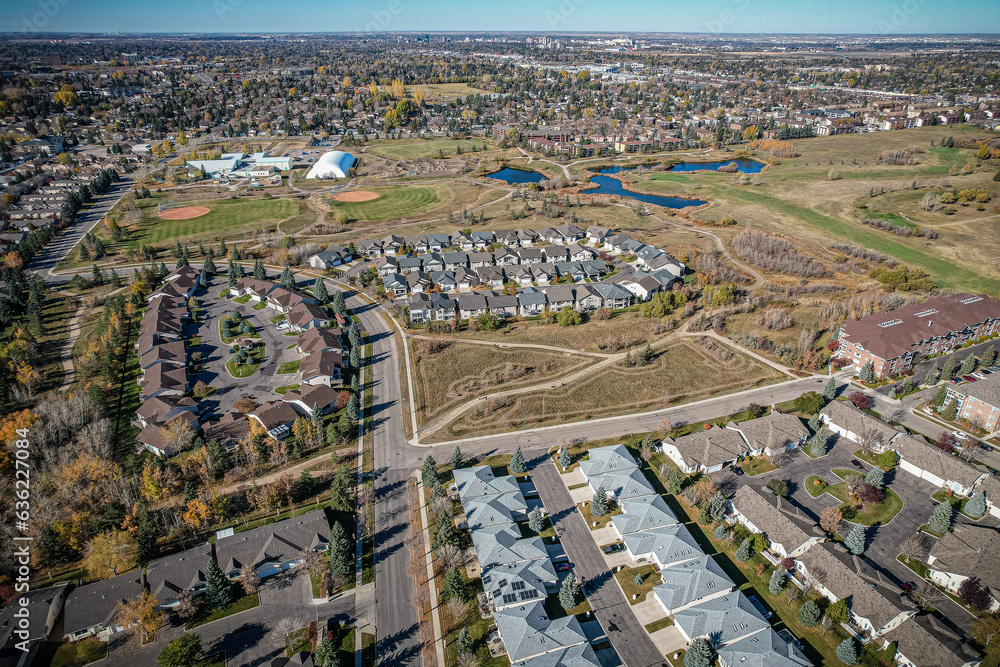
x=707, y=16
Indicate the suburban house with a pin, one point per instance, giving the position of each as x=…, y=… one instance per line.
x=154, y=436
x=274, y=548
x=333, y=256
x=789, y=535
x=29, y=623
x=764, y=649
x=311, y=397
x=229, y=430
x=170, y=576
x=691, y=582
x=968, y=550
x=663, y=546
x=614, y=458
x=892, y=341
x=164, y=409
x=640, y=514
x=528, y=633
x=257, y=289
x=578, y=655
x=935, y=465
x=304, y=316
x=479, y=482
x=924, y=640
x=979, y=402
x=496, y=545
x=833, y=572
x=471, y=305
x=276, y=417
x=612, y=296
x=512, y=584
x=848, y=421
x=772, y=434
x=495, y=510
x=91, y=609
x=706, y=451
x=725, y=619
x=622, y=485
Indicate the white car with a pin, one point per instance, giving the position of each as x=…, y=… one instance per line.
x=282, y=325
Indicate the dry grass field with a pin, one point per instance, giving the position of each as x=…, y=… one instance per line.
x=462, y=371
x=682, y=372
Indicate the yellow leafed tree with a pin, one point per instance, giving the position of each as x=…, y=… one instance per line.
x=110, y=553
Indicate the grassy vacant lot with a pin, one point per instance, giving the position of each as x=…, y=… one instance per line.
x=589, y=337
x=616, y=390
x=462, y=371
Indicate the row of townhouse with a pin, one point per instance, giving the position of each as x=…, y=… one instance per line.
x=92, y=609
x=943, y=470
x=517, y=573
x=500, y=257
x=893, y=342
x=695, y=590
x=163, y=377
x=526, y=302
x=463, y=279
x=713, y=449
x=302, y=312
x=828, y=568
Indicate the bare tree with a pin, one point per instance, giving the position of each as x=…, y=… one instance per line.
x=468, y=660
x=825, y=625
x=914, y=546
x=249, y=579
x=893, y=413
x=451, y=556
x=286, y=627
x=442, y=504
x=792, y=593
x=869, y=439
x=458, y=609
x=185, y=605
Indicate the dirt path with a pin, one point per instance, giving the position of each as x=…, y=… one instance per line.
x=66, y=354
x=535, y=346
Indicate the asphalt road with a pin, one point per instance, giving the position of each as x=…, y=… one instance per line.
x=627, y=635
x=55, y=252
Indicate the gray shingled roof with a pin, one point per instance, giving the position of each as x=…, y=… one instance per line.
x=640, y=514
x=725, y=619
x=624, y=484
x=480, y=481
x=504, y=544
x=688, y=582
x=606, y=459
x=668, y=544
x=494, y=510
x=527, y=631
x=764, y=649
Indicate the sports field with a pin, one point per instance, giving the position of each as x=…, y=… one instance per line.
x=427, y=148
x=225, y=215
x=393, y=202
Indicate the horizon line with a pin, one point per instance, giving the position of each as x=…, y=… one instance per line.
x=110, y=33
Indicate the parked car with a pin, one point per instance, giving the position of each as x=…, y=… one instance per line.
x=736, y=470
x=908, y=587
x=614, y=548
x=857, y=464
x=968, y=378
x=562, y=567
x=958, y=434
x=979, y=376
x=988, y=448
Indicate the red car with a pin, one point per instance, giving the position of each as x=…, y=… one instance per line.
x=908, y=587
x=562, y=567
x=968, y=378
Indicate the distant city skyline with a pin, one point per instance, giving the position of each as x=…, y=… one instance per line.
x=864, y=17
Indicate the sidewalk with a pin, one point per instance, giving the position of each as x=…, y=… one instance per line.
x=429, y=557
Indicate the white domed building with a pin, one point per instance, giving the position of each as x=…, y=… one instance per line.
x=334, y=164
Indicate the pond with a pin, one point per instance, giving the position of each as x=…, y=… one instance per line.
x=513, y=176
x=745, y=166
x=611, y=186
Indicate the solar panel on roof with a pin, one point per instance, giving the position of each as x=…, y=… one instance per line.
x=509, y=597
x=517, y=586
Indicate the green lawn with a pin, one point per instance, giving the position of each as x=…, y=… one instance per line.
x=659, y=625
x=72, y=654
x=206, y=614
x=755, y=467
x=397, y=201
x=259, y=306
x=626, y=579
x=676, y=178
x=815, y=490
x=878, y=515
x=956, y=502
x=284, y=389
x=229, y=339
x=242, y=299
x=225, y=215
x=248, y=369
x=425, y=148
x=289, y=367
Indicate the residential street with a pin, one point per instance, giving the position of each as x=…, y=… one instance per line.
x=627, y=635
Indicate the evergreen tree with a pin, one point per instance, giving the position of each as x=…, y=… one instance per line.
x=717, y=506
x=867, y=373
x=286, y=279
x=428, y=471
x=777, y=582
x=948, y=372
x=325, y=652
x=233, y=273
x=818, y=443
x=976, y=505
x=320, y=292
x=565, y=460
x=355, y=358
x=145, y=536
x=218, y=588
x=876, y=477
x=569, y=592
x=258, y=270
x=814, y=422
x=445, y=533
x=855, y=541
x=809, y=614
x=720, y=532
x=536, y=520
x=939, y=396
x=940, y=521
x=950, y=411
x=675, y=481
x=989, y=357
x=353, y=410
x=185, y=257
x=968, y=365
x=599, y=505
x=830, y=390
x=743, y=552
x=454, y=586
x=178, y=251
x=847, y=652
x=341, y=550
x=208, y=266
x=437, y=489
x=932, y=375
x=516, y=466
x=464, y=643
x=699, y=653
